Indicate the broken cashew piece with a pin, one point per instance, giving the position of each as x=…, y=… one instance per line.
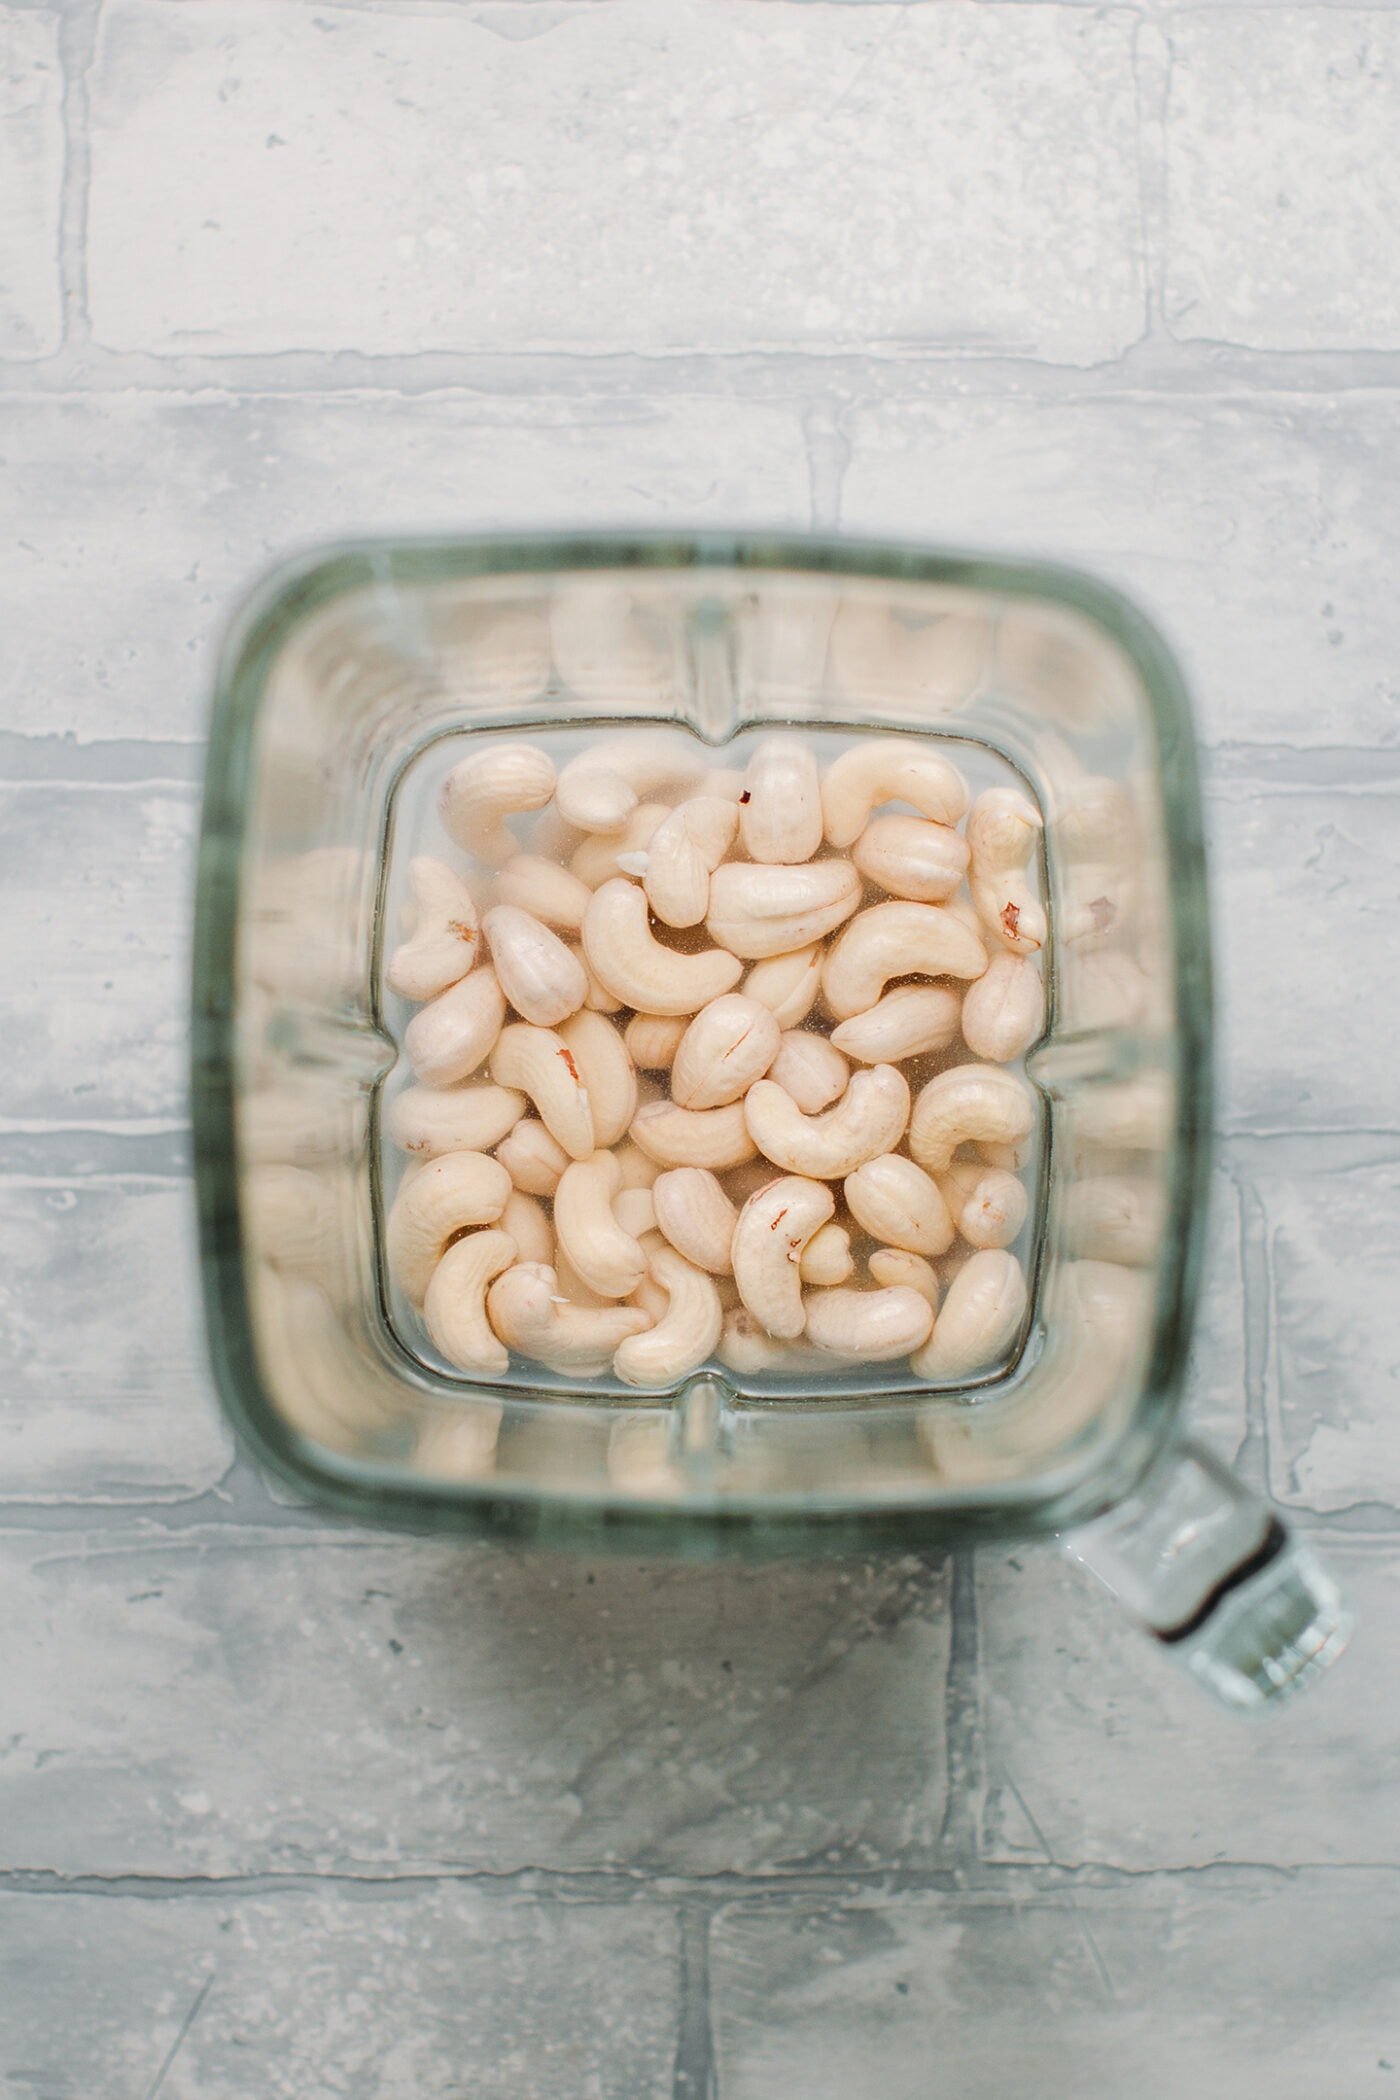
x=730, y=1043
x=1003, y=1013
x=498, y=781
x=447, y=1039
x=908, y=1021
x=780, y=814
x=773, y=1228
x=533, y=1159
x=757, y=910
x=888, y=769
x=624, y=954
x=827, y=1258
x=696, y=1216
x=897, y=939
x=868, y=1327
x=683, y=853
x=868, y=1119
x=609, y=1077
x=653, y=1039
x=982, y=1104
x=609, y=1260
x=787, y=984
x=598, y=790
x=911, y=857
x=526, y=1310
x=454, y=1308
x=428, y=1120
x=981, y=1317
x=543, y=889
x=440, y=1199
x=693, y=1137
x=988, y=1204
x=541, y=978
x=895, y=1265
x=686, y=1332
x=1003, y=830
x=539, y=1063
x=442, y=946
x=809, y=1069
x=897, y=1202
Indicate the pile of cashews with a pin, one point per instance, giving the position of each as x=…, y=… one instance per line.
x=661, y=1107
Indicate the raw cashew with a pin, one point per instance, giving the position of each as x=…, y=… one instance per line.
x=653, y=1039
x=1003, y=1013
x=608, y=1074
x=888, y=769
x=1003, y=828
x=1125, y=1114
x=527, y=1312
x=787, y=984
x=447, y=1039
x=540, y=1063
x=780, y=812
x=693, y=1137
x=909, y=1020
x=460, y=1443
x=545, y=890
x=868, y=1327
x=638, y=1170
x=293, y=1213
x=429, y=1119
x=608, y=1259
x=988, y=1204
x=634, y=1209
x=867, y=1120
x=573, y=1288
x=899, y=1203
x=625, y=955
x=896, y=940
x=696, y=1216
x=524, y=1219
x=438, y=1201
x=533, y=1159
x=598, y=999
x=773, y=1228
x=730, y=1043
x=981, y=1317
x=1114, y=1217
x=454, y=1308
x=809, y=1069
x=685, y=1334
x=683, y=853
x=827, y=1258
x=910, y=857
x=598, y=790
x=894, y=1265
x=599, y=860
x=747, y=1348
x=758, y=910
x=540, y=978
x=934, y=662
x=978, y=1103
x=442, y=945
x=491, y=784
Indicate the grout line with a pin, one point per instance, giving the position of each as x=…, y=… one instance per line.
x=695, y=2076
x=965, y=1778
x=77, y=36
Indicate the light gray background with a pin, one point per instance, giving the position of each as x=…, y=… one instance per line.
x=290, y=1811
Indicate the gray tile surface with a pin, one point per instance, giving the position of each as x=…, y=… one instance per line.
x=289, y=1809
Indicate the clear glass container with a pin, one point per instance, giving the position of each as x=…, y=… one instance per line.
x=341, y=674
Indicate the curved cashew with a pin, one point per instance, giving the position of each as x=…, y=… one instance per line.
x=896, y=1202
x=454, y=1308
x=988, y=1204
x=868, y=1327
x=524, y=1219
x=443, y=944
x=608, y=1073
x=1114, y=1218
x=460, y=1443
x=981, y=1317
x=910, y=857
x=638, y=1171
x=896, y=940
x=983, y=1104
x=683, y=852
x=573, y=1288
x=625, y=955
x=440, y=1200
x=540, y=978
x=780, y=811
x=757, y=910
x=773, y=1228
x=894, y=1265
x=543, y=889
x=598, y=999
x=827, y=1259
x=1010, y=1157
x=936, y=662
x=447, y=1039
x=787, y=984
x=430, y=1120
x=810, y=1069
x=909, y=1020
x=867, y=1120
x=888, y=769
x=730, y=1043
x=540, y=1063
x=634, y=1210
x=533, y=1159
x=685, y=1334
x=527, y=1312
x=693, y=1137
x=599, y=789
x=696, y=1216
x=1003, y=827
x=551, y=839
x=488, y=786
x=1003, y=1013
x=293, y=1213
x=653, y=1039
x=1132, y=1115
x=608, y=1259
x=745, y=1346
x=609, y=854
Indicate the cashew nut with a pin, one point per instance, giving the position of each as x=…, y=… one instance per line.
x=730, y=1043
x=292, y=1212
x=454, y=1307
x=525, y=1309
x=1003, y=1013
x=533, y=1159
x=780, y=812
x=868, y=1327
x=908, y=1021
x=638, y=1171
x=538, y=1062
x=544, y=890
x=608, y=1073
x=683, y=852
x=598, y=790
x=488, y=786
x=440, y=1200
x=988, y=1204
x=969, y=1103
x=608, y=1259
x=910, y=857
x=447, y=1039
x=746, y=1348
x=573, y=1288
x=888, y=769
x=897, y=1202
x=442, y=945
x=653, y=1039
x=827, y=1258
x=757, y=910
x=867, y=1120
x=981, y=1317
x=1126, y=1114
x=524, y=1219
x=458, y=1443
x=810, y=1069
x=685, y=1334
x=430, y=1120
x=1114, y=1218
x=696, y=1216
x=598, y=999
x=634, y=1209
x=693, y=1137
x=894, y=1265
x=787, y=984
x=772, y=1230
x=633, y=964
x=609, y=854
x=935, y=662
x=537, y=973
x=896, y=940
x=1003, y=828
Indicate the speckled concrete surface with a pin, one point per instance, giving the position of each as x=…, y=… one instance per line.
x=288, y=1810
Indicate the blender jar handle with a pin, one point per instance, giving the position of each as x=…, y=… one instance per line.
x=1214, y=1575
